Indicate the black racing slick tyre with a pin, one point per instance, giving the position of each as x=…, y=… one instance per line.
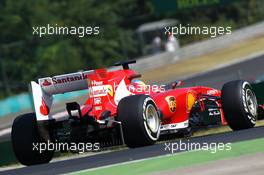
x=24, y=135
x=140, y=120
x=239, y=105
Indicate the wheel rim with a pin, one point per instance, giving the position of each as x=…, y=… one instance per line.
x=152, y=119
x=251, y=102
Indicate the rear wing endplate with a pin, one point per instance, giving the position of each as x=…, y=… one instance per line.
x=44, y=90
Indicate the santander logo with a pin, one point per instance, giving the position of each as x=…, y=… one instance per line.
x=46, y=83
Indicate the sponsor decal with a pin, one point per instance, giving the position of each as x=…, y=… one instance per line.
x=174, y=126
x=169, y=126
x=97, y=83
x=190, y=101
x=98, y=91
x=98, y=108
x=97, y=100
x=69, y=79
x=46, y=83
x=44, y=109
x=172, y=103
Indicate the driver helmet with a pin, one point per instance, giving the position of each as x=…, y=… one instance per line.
x=139, y=84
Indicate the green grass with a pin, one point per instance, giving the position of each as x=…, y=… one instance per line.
x=7, y=155
x=187, y=159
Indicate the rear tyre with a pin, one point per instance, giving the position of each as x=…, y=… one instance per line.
x=24, y=134
x=239, y=105
x=140, y=120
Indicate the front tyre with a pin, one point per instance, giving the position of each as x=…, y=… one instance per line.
x=24, y=134
x=239, y=105
x=140, y=120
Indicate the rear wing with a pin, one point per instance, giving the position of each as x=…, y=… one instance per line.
x=44, y=90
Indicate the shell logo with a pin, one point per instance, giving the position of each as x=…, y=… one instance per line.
x=172, y=103
x=190, y=101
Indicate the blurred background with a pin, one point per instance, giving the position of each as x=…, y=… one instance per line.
x=127, y=30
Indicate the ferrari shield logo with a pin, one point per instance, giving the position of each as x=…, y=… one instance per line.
x=171, y=102
x=110, y=90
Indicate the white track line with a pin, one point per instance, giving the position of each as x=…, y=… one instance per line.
x=5, y=131
x=131, y=161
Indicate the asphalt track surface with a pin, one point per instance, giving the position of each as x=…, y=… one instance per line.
x=247, y=70
x=131, y=154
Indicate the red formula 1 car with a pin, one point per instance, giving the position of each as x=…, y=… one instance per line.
x=122, y=109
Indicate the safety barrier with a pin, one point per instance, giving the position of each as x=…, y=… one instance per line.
x=24, y=101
